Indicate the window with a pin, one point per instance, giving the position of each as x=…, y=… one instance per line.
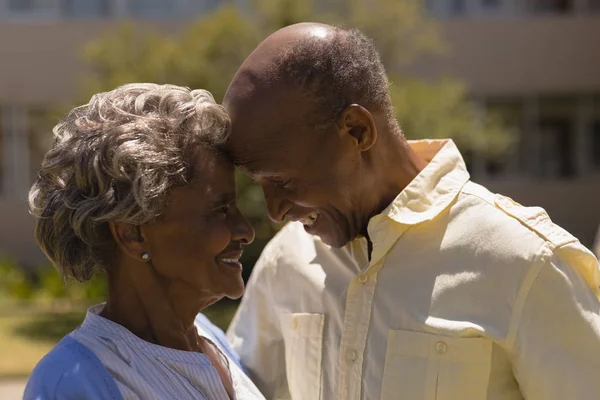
x=595, y=142
x=2, y=152
x=457, y=7
x=491, y=4
x=21, y=5
x=556, y=148
x=509, y=112
x=35, y=8
x=552, y=6
x=26, y=137
x=86, y=8
x=39, y=138
x=151, y=8
x=468, y=159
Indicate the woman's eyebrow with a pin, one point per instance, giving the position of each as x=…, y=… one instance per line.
x=224, y=198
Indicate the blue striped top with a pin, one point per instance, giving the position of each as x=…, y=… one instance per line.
x=143, y=370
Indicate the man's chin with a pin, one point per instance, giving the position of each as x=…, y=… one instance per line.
x=332, y=240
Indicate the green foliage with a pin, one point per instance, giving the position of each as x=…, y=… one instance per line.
x=14, y=281
x=401, y=29
x=205, y=55
x=271, y=15
x=46, y=283
x=127, y=54
x=439, y=110
x=51, y=284
x=95, y=289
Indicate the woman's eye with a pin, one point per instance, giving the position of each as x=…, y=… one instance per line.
x=223, y=210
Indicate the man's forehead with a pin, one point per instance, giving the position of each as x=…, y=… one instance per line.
x=259, y=174
x=267, y=164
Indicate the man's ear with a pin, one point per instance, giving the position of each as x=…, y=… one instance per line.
x=358, y=122
x=129, y=239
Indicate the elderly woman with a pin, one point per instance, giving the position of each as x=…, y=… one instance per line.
x=135, y=187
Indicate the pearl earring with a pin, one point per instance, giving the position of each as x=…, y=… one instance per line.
x=145, y=256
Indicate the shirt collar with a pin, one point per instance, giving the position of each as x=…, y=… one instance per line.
x=429, y=193
x=94, y=325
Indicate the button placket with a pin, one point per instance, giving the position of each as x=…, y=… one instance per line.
x=363, y=278
x=351, y=356
x=441, y=347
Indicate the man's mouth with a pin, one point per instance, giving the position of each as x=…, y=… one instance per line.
x=310, y=219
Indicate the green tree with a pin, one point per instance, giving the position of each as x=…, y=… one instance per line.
x=207, y=53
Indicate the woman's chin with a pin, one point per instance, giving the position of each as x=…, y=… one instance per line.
x=235, y=291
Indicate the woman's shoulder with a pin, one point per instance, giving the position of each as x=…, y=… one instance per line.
x=70, y=370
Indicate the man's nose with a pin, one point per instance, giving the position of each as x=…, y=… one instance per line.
x=277, y=205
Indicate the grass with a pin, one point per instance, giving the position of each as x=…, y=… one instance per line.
x=29, y=330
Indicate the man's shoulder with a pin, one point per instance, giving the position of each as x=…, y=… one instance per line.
x=70, y=370
x=505, y=218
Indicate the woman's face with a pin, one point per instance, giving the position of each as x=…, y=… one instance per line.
x=198, y=239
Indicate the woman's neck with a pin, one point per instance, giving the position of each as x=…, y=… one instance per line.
x=155, y=309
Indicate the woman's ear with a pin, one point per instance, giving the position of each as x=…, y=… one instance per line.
x=129, y=239
x=358, y=122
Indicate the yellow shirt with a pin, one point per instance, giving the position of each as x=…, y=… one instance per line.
x=468, y=295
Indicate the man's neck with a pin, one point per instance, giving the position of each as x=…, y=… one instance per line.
x=394, y=167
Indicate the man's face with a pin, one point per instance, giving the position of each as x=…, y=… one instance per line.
x=306, y=175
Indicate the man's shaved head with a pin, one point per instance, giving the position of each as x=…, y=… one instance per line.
x=312, y=122
x=331, y=67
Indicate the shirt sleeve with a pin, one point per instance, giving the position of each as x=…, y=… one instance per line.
x=256, y=335
x=71, y=371
x=556, y=351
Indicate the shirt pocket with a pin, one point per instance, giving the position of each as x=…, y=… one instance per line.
x=303, y=339
x=431, y=367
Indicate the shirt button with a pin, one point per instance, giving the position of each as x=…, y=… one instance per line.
x=363, y=278
x=294, y=324
x=351, y=356
x=441, y=347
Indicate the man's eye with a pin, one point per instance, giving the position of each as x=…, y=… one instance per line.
x=287, y=185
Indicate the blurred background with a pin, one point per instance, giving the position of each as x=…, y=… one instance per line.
x=516, y=83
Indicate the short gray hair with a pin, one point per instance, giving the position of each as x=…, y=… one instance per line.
x=116, y=159
x=335, y=73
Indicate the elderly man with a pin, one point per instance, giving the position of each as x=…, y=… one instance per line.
x=400, y=278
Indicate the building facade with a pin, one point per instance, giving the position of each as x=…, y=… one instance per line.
x=535, y=61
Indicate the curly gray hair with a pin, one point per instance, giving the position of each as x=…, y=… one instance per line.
x=116, y=159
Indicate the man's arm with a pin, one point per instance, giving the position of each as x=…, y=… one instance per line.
x=255, y=334
x=556, y=328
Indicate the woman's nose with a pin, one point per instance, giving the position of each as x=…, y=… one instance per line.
x=243, y=231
